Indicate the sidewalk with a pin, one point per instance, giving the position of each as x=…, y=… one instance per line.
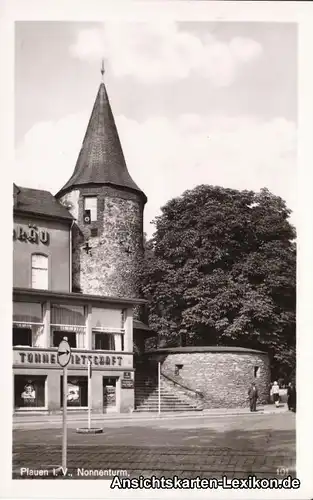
x=98, y=417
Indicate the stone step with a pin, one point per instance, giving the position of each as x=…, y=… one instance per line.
x=154, y=409
x=151, y=388
x=146, y=382
x=155, y=397
x=169, y=399
x=168, y=404
x=166, y=407
x=147, y=395
x=152, y=391
x=155, y=402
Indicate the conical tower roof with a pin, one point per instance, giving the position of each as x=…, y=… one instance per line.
x=101, y=160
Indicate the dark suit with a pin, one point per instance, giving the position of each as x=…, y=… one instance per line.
x=253, y=396
x=291, y=394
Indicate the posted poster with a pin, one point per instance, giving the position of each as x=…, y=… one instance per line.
x=73, y=395
x=28, y=395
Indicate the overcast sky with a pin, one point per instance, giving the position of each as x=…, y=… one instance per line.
x=194, y=103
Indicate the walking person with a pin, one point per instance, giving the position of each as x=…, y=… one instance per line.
x=253, y=396
x=275, y=393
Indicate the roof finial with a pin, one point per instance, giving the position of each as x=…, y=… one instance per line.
x=102, y=69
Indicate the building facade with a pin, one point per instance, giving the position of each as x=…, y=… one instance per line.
x=76, y=257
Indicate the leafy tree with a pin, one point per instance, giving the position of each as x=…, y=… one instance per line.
x=221, y=270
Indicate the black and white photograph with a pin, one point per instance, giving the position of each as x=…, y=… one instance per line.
x=155, y=221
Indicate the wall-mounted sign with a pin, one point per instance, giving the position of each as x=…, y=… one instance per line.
x=127, y=384
x=41, y=358
x=127, y=375
x=31, y=234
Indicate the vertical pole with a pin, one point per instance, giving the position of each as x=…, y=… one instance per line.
x=159, y=387
x=64, y=441
x=89, y=394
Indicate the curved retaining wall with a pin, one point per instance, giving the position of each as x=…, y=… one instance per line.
x=222, y=374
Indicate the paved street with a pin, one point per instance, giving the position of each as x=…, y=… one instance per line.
x=188, y=447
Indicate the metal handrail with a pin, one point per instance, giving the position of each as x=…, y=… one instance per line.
x=176, y=382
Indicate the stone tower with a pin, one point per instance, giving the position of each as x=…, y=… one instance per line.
x=108, y=209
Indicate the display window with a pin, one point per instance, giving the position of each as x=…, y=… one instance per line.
x=109, y=392
x=77, y=391
x=29, y=392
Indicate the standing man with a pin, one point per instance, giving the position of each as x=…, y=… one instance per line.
x=291, y=395
x=253, y=396
x=275, y=394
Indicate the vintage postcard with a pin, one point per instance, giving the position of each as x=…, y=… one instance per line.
x=155, y=298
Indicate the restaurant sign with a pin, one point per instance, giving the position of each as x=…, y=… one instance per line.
x=31, y=233
x=42, y=358
x=127, y=384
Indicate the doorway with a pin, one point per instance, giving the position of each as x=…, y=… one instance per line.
x=109, y=394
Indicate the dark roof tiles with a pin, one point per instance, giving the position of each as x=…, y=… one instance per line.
x=101, y=160
x=39, y=202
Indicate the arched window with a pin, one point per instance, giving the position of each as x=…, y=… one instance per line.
x=40, y=271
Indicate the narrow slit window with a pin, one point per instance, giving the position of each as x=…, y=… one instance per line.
x=256, y=372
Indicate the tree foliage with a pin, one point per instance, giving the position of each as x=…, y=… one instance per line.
x=221, y=270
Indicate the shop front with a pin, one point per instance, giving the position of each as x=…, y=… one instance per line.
x=38, y=381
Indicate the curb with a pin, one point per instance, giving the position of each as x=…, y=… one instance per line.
x=147, y=416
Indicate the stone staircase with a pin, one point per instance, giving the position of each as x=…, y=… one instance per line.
x=147, y=398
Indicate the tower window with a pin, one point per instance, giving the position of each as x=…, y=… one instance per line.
x=40, y=271
x=257, y=372
x=178, y=369
x=90, y=203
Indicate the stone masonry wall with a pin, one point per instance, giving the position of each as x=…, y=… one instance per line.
x=110, y=265
x=223, y=377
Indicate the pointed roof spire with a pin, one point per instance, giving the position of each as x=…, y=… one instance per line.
x=101, y=160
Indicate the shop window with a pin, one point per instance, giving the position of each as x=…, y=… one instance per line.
x=109, y=392
x=103, y=341
x=68, y=321
x=40, y=271
x=90, y=203
x=77, y=391
x=29, y=392
x=22, y=336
